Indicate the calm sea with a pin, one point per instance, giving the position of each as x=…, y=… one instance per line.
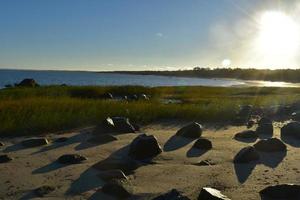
x=105, y=79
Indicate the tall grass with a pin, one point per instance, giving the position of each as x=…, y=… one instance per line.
x=30, y=111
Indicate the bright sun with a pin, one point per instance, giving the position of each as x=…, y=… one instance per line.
x=278, y=35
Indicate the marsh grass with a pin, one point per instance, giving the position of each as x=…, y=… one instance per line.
x=30, y=111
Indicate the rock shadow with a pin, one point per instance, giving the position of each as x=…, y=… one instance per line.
x=176, y=142
x=265, y=136
x=13, y=148
x=293, y=141
x=272, y=159
x=244, y=170
x=194, y=152
x=48, y=168
x=78, y=138
x=87, y=181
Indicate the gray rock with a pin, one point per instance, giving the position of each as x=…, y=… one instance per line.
x=27, y=82
x=203, y=143
x=208, y=193
x=118, y=125
x=247, y=134
x=112, y=174
x=144, y=147
x=246, y=155
x=291, y=129
x=5, y=158
x=43, y=190
x=171, y=195
x=270, y=145
x=35, y=142
x=192, y=130
x=71, y=159
x=118, y=188
x=281, y=192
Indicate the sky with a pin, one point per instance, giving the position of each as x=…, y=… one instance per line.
x=101, y=35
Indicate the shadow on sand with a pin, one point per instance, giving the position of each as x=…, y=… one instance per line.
x=272, y=160
x=48, y=168
x=293, y=141
x=246, y=140
x=194, y=152
x=176, y=142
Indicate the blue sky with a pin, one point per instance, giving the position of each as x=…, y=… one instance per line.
x=127, y=34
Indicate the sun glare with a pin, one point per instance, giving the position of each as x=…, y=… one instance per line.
x=278, y=35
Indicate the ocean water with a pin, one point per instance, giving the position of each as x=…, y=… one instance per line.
x=106, y=79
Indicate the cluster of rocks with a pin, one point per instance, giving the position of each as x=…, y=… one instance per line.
x=117, y=125
x=129, y=97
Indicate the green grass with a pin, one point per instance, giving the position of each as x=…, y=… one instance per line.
x=30, y=111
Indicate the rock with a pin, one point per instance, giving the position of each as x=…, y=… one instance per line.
x=107, y=96
x=43, y=190
x=250, y=123
x=192, y=130
x=265, y=129
x=205, y=163
x=71, y=159
x=127, y=165
x=118, y=125
x=247, y=134
x=61, y=139
x=35, y=142
x=246, y=155
x=284, y=191
x=102, y=139
x=143, y=147
x=28, y=82
x=171, y=195
x=244, y=114
x=203, y=143
x=208, y=193
x=112, y=174
x=117, y=188
x=5, y=158
x=270, y=145
x=144, y=97
x=296, y=116
x=264, y=120
x=291, y=129
x=1, y=144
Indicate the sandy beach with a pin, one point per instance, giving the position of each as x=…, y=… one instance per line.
x=174, y=168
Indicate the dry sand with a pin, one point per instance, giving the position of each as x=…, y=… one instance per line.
x=174, y=168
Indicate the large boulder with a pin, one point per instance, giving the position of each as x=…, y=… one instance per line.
x=71, y=159
x=144, y=146
x=27, y=82
x=291, y=129
x=5, y=158
x=112, y=174
x=296, y=116
x=244, y=114
x=208, y=193
x=270, y=145
x=118, y=125
x=35, y=142
x=284, y=191
x=192, y=130
x=118, y=188
x=203, y=143
x=171, y=195
x=247, y=134
x=246, y=155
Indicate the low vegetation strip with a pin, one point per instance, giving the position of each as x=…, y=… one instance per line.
x=30, y=111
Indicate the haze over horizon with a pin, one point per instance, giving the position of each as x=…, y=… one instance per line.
x=148, y=35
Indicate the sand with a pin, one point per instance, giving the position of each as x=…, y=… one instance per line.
x=174, y=168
